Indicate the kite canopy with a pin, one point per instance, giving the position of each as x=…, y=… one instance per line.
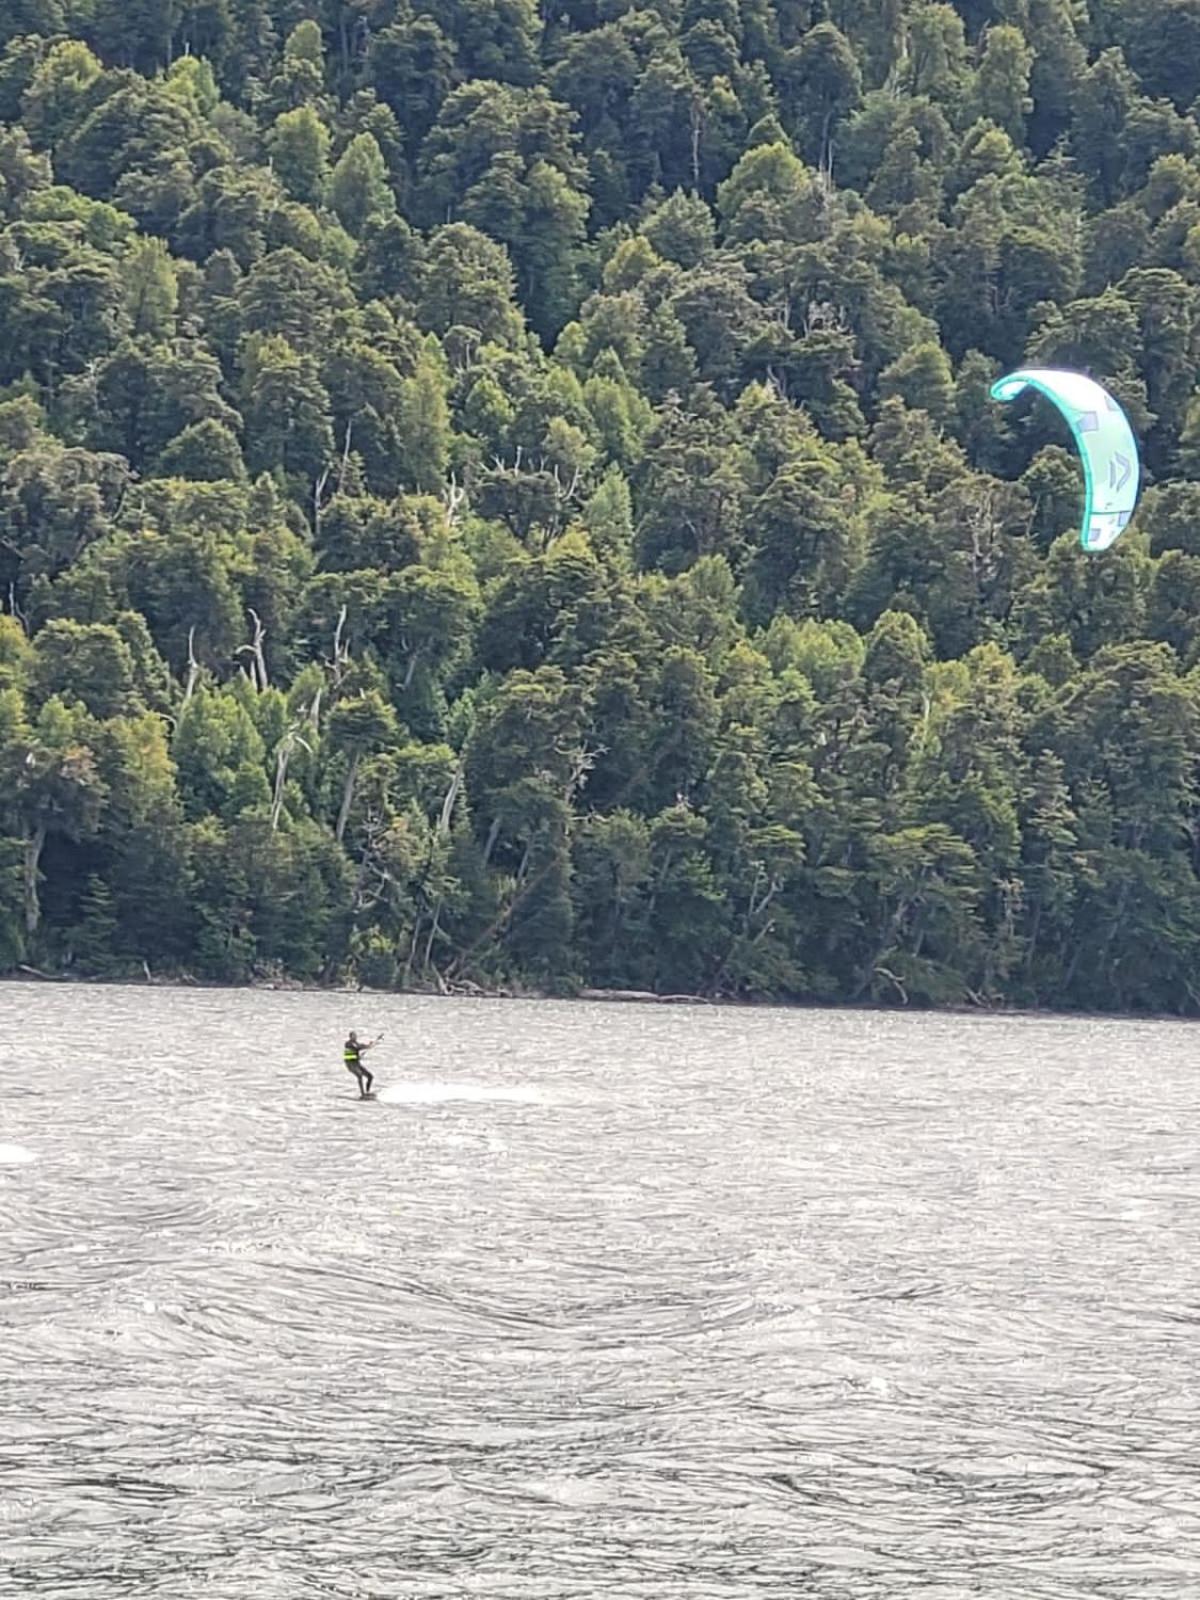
x=1106, y=446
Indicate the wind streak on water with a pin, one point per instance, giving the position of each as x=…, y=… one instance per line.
x=675, y=1304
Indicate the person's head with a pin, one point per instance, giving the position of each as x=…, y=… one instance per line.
x=353, y=1037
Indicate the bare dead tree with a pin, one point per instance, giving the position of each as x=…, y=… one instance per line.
x=343, y=816
x=258, y=660
x=885, y=972
x=345, y=462
x=14, y=610
x=443, y=828
x=454, y=498
x=375, y=876
x=490, y=842
x=411, y=667
x=283, y=756
x=565, y=496
x=193, y=673
x=502, y=466
x=582, y=762
x=340, y=663
x=319, y=501
x=450, y=801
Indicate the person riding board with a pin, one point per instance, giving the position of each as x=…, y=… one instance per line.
x=352, y=1054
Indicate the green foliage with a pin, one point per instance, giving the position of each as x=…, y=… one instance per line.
x=510, y=494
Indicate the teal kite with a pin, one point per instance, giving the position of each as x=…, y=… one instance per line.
x=1106, y=445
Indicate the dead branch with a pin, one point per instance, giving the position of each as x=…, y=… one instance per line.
x=883, y=972
x=564, y=496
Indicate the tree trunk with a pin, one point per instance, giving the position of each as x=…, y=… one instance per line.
x=493, y=835
x=448, y=802
x=33, y=857
x=283, y=756
x=433, y=933
x=412, y=949
x=347, y=796
x=1035, y=928
x=412, y=667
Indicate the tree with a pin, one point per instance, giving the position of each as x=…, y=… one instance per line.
x=286, y=410
x=1103, y=101
x=506, y=161
x=152, y=291
x=1002, y=85
x=937, y=54
x=86, y=663
x=425, y=427
x=411, y=64
x=928, y=885
x=358, y=189
x=610, y=856
x=355, y=727
x=219, y=755
x=57, y=96
x=299, y=78
x=770, y=192
x=922, y=377
x=494, y=38
x=822, y=76
x=143, y=394
x=429, y=619
x=299, y=144
x=137, y=33
x=59, y=790
x=203, y=452
x=56, y=503
x=468, y=282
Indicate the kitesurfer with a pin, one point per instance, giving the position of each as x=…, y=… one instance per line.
x=352, y=1054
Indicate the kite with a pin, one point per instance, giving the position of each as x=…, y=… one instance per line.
x=1106, y=444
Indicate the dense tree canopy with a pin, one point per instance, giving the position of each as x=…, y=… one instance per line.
x=508, y=494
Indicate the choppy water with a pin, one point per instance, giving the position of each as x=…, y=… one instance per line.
x=594, y=1301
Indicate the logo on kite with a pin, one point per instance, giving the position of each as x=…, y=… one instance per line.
x=1107, y=447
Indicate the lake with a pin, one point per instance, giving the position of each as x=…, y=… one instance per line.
x=650, y=1303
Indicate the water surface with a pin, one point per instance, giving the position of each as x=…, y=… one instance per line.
x=648, y=1303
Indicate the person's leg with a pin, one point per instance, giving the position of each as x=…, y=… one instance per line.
x=370, y=1077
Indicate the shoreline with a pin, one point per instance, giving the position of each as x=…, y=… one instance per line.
x=628, y=997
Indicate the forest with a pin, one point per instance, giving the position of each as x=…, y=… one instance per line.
x=506, y=495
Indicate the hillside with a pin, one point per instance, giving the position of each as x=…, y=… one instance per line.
x=509, y=494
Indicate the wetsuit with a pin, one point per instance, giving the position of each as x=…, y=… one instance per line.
x=352, y=1054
